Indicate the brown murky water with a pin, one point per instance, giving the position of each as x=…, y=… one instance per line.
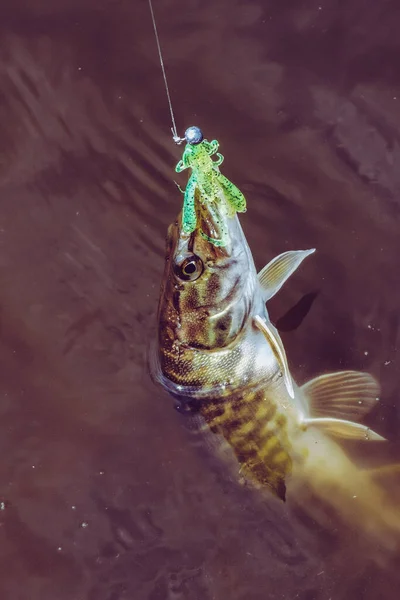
x=104, y=494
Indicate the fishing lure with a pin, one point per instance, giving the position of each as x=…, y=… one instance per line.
x=208, y=182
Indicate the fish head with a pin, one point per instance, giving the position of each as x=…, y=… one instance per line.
x=206, y=300
x=207, y=289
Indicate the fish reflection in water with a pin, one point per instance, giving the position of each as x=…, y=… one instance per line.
x=219, y=354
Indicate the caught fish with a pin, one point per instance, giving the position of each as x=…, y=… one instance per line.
x=220, y=356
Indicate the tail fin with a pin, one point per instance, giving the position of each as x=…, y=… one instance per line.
x=359, y=499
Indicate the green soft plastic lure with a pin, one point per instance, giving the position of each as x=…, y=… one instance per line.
x=212, y=187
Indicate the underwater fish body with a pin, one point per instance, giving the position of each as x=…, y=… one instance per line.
x=221, y=358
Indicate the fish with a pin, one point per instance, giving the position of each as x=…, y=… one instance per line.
x=221, y=358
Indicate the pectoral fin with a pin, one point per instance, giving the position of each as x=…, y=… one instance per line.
x=275, y=273
x=275, y=341
x=343, y=395
x=344, y=429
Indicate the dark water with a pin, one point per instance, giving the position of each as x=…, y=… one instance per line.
x=105, y=495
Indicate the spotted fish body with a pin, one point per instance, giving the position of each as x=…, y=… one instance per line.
x=222, y=359
x=256, y=430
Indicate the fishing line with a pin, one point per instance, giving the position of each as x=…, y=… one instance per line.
x=176, y=138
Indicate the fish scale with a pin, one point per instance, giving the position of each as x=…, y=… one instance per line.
x=256, y=432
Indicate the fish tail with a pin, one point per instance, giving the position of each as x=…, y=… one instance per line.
x=327, y=476
x=357, y=499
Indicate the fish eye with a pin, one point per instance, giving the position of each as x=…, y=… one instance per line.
x=190, y=268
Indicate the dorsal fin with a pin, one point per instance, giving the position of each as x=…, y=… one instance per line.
x=275, y=273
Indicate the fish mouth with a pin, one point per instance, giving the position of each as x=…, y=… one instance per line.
x=213, y=223
x=217, y=235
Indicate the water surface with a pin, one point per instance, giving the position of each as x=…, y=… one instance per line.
x=105, y=494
